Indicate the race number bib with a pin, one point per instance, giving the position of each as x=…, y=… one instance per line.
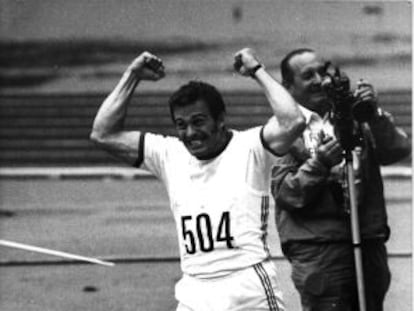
x=198, y=233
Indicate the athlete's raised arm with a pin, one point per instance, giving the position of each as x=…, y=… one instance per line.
x=108, y=127
x=288, y=121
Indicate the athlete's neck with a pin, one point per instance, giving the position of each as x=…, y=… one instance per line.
x=227, y=136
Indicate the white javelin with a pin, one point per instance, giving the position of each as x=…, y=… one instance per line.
x=54, y=253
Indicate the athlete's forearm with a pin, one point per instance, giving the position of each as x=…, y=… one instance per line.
x=108, y=128
x=111, y=115
x=288, y=122
x=282, y=103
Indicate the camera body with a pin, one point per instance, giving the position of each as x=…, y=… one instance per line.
x=347, y=109
x=337, y=87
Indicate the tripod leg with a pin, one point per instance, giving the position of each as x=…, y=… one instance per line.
x=356, y=236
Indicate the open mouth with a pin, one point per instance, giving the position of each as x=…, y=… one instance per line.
x=195, y=144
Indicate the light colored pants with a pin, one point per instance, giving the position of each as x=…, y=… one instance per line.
x=251, y=289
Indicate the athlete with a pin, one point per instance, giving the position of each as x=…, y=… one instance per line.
x=217, y=179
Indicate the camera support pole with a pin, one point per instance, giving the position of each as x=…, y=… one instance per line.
x=356, y=236
x=337, y=87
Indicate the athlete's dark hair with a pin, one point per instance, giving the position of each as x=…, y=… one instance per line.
x=286, y=69
x=197, y=90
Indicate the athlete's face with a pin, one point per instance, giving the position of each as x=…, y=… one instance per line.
x=197, y=129
x=308, y=72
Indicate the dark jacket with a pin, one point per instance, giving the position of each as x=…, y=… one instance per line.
x=310, y=206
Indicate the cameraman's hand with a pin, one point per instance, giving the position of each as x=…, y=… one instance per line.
x=365, y=107
x=245, y=62
x=365, y=92
x=329, y=152
x=147, y=67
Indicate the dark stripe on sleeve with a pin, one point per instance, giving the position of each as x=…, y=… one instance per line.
x=141, y=146
x=265, y=144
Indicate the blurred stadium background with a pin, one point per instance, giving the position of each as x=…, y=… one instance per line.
x=59, y=59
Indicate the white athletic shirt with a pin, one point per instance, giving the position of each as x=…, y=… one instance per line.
x=220, y=205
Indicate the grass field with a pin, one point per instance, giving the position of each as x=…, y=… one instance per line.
x=129, y=222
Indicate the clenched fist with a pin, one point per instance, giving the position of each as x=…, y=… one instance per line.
x=147, y=67
x=246, y=62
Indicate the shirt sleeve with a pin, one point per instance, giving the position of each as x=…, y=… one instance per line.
x=156, y=153
x=260, y=162
x=391, y=143
x=295, y=186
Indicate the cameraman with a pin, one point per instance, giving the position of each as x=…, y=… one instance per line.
x=309, y=187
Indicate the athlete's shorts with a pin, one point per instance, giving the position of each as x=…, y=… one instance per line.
x=251, y=289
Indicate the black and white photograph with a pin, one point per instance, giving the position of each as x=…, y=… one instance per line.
x=214, y=155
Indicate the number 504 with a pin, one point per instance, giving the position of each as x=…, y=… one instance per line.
x=207, y=240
